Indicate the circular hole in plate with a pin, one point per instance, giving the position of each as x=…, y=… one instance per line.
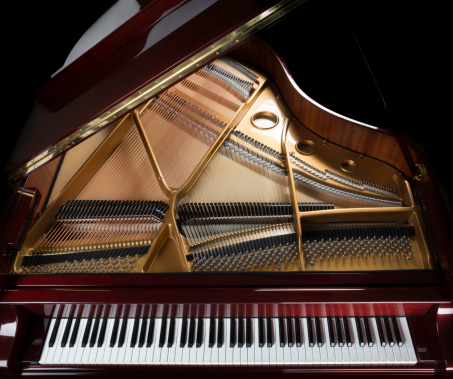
x=348, y=165
x=264, y=120
x=306, y=147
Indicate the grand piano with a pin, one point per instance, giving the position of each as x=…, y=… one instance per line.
x=180, y=206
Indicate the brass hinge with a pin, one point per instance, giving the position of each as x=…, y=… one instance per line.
x=420, y=171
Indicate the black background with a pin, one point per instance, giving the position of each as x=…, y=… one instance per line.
x=385, y=63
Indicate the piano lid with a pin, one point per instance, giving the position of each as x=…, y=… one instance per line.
x=156, y=47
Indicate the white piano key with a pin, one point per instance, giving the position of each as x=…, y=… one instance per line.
x=407, y=340
x=374, y=349
x=356, y=355
x=58, y=349
x=86, y=350
x=308, y=350
x=366, y=349
x=222, y=349
x=251, y=360
x=185, y=351
x=165, y=350
x=229, y=351
x=323, y=349
x=315, y=348
x=265, y=350
x=193, y=349
x=143, y=350
x=255, y=346
x=345, y=353
x=55, y=352
x=80, y=349
x=236, y=348
x=280, y=350
x=173, y=348
x=178, y=349
x=276, y=343
x=154, y=342
x=200, y=350
x=330, y=350
x=337, y=349
x=107, y=350
x=388, y=349
x=243, y=351
x=286, y=349
x=135, y=358
x=123, y=351
x=294, y=350
x=301, y=354
x=67, y=349
x=45, y=350
x=377, y=347
x=395, y=348
x=208, y=350
x=160, y=352
x=92, y=359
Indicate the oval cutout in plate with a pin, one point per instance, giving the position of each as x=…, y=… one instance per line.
x=264, y=120
x=348, y=165
x=306, y=147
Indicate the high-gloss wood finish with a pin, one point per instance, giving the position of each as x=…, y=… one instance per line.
x=168, y=31
x=250, y=301
x=333, y=127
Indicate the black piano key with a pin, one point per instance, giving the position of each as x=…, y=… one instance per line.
x=86, y=334
x=297, y=331
x=101, y=337
x=347, y=332
x=135, y=332
x=318, y=331
x=200, y=332
x=369, y=338
x=289, y=331
x=339, y=334
x=331, y=333
x=396, y=330
x=141, y=338
x=212, y=332
x=163, y=331
x=232, y=332
x=191, y=339
x=359, y=332
x=220, y=332
x=53, y=336
x=67, y=329
x=269, y=336
x=248, y=332
x=122, y=336
x=75, y=332
x=183, y=339
x=171, y=332
x=311, y=339
x=149, y=337
x=260, y=332
x=380, y=332
x=281, y=331
x=388, y=331
x=114, y=332
x=240, y=332
x=94, y=333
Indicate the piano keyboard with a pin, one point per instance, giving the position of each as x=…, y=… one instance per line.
x=229, y=341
